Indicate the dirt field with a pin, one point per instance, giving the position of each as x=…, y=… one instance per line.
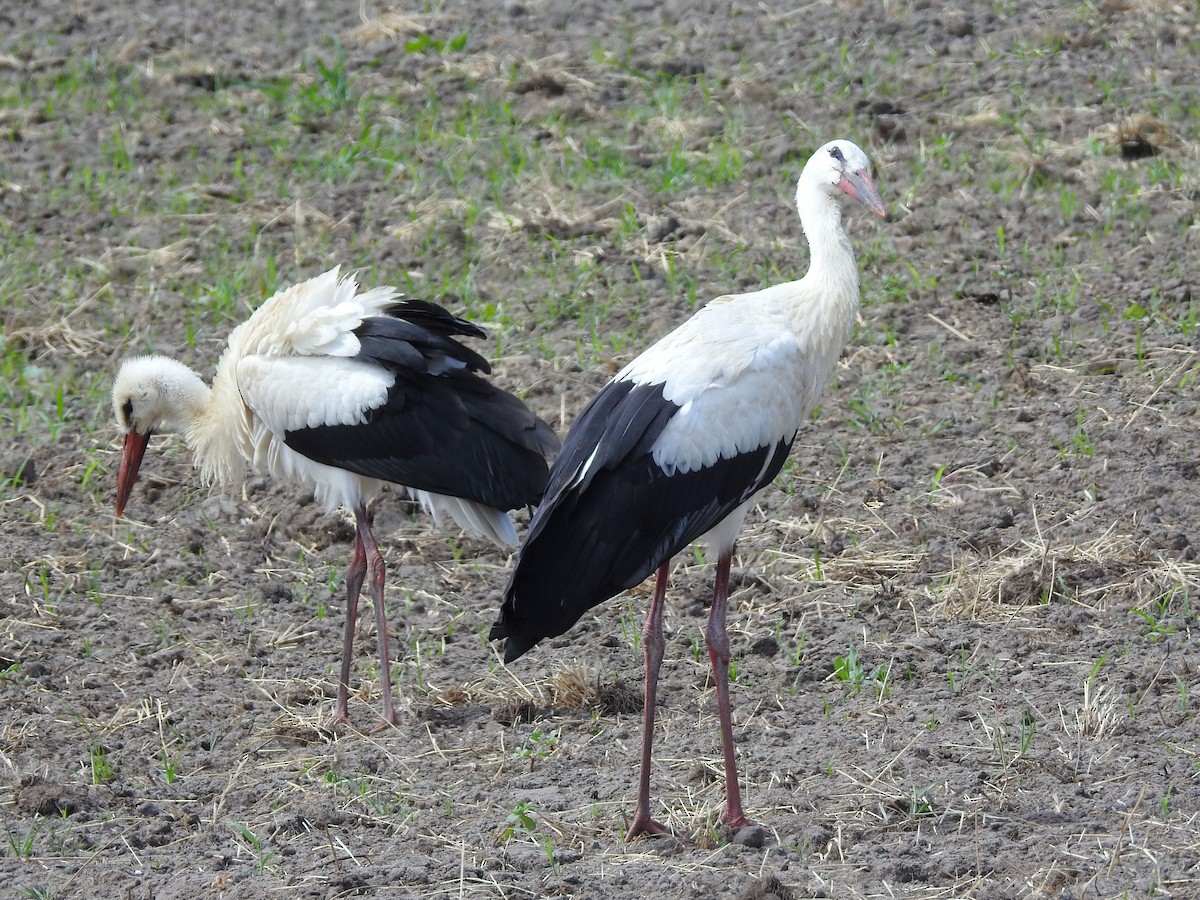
x=963, y=618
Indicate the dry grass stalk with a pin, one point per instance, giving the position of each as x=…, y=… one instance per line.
x=1139, y=136
x=1098, y=712
x=1114, y=8
x=676, y=128
x=60, y=334
x=559, y=213
x=573, y=687
x=427, y=214
x=387, y=26
x=294, y=214
x=127, y=261
x=1034, y=572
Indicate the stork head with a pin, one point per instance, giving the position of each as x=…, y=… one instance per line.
x=843, y=166
x=149, y=392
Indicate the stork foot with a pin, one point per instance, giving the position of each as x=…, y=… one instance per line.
x=388, y=720
x=643, y=824
x=737, y=820
x=340, y=719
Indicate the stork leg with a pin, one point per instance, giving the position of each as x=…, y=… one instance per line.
x=367, y=561
x=354, y=579
x=653, y=645
x=718, y=654
x=376, y=572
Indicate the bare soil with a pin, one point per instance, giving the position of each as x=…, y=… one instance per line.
x=962, y=621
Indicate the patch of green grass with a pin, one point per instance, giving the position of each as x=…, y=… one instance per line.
x=21, y=845
x=101, y=765
x=850, y=670
x=1012, y=745
x=374, y=795
x=1168, y=612
x=919, y=803
x=538, y=745
x=967, y=670
x=519, y=821
x=256, y=845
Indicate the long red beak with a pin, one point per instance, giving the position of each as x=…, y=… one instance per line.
x=859, y=186
x=131, y=461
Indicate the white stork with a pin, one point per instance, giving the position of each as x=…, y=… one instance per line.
x=339, y=391
x=677, y=446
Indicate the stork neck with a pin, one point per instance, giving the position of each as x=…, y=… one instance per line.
x=832, y=268
x=831, y=255
x=188, y=411
x=214, y=427
x=186, y=399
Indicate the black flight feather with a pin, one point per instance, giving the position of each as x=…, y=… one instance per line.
x=442, y=428
x=596, y=535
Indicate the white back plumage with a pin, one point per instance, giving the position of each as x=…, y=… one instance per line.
x=287, y=367
x=748, y=369
x=313, y=318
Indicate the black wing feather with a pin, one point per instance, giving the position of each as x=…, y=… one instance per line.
x=595, y=536
x=421, y=342
x=443, y=428
x=433, y=318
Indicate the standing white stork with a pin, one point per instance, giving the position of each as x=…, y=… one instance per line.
x=340, y=391
x=676, y=447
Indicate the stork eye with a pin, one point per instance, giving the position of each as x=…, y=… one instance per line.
x=127, y=412
x=836, y=153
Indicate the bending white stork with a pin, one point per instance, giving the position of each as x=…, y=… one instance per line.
x=676, y=447
x=340, y=391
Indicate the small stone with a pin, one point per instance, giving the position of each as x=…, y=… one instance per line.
x=753, y=836
x=765, y=646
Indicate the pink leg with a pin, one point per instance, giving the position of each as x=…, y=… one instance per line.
x=653, y=645
x=354, y=580
x=376, y=571
x=718, y=654
x=367, y=559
